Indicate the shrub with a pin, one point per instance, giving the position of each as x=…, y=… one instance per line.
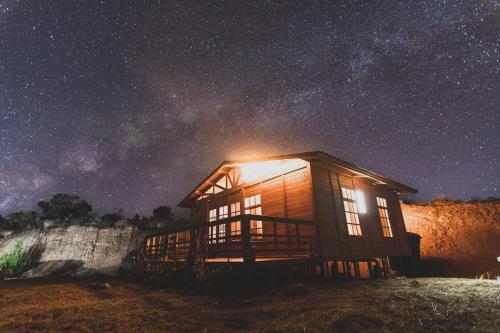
x=13, y=263
x=65, y=207
x=20, y=221
x=442, y=199
x=108, y=220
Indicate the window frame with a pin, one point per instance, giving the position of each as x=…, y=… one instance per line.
x=212, y=229
x=253, y=206
x=384, y=218
x=351, y=212
x=235, y=228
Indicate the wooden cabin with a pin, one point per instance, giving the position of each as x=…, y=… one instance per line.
x=310, y=207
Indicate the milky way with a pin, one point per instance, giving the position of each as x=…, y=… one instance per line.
x=131, y=104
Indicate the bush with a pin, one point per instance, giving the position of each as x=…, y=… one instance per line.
x=109, y=220
x=442, y=199
x=13, y=263
x=65, y=207
x=20, y=221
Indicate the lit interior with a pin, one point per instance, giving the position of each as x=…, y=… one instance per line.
x=252, y=172
x=255, y=171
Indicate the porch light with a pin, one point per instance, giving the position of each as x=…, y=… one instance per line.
x=360, y=201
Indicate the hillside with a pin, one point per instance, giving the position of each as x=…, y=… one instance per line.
x=457, y=238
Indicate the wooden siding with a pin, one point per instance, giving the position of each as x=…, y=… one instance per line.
x=314, y=193
x=335, y=242
x=287, y=195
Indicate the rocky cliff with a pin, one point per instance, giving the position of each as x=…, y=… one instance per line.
x=87, y=249
x=457, y=238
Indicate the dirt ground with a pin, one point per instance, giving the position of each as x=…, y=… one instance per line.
x=384, y=305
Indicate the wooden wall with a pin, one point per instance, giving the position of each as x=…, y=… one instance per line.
x=314, y=193
x=287, y=195
x=335, y=242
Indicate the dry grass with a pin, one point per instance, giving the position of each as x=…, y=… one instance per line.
x=386, y=305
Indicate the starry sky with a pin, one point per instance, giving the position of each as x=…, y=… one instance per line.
x=130, y=104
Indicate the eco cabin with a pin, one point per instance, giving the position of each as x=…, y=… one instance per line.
x=308, y=207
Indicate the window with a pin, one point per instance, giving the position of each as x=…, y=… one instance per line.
x=236, y=225
x=235, y=209
x=351, y=212
x=212, y=215
x=212, y=230
x=223, y=214
x=253, y=207
x=384, y=217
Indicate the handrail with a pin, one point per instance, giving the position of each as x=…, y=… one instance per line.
x=283, y=237
x=241, y=217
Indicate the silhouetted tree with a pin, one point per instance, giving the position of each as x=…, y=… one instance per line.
x=108, y=220
x=163, y=217
x=18, y=221
x=62, y=208
x=163, y=213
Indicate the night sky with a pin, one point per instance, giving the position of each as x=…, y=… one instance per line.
x=131, y=104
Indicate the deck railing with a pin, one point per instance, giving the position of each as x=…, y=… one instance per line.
x=238, y=238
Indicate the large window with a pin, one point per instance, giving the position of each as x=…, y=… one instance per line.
x=223, y=214
x=351, y=212
x=212, y=230
x=253, y=207
x=384, y=217
x=236, y=225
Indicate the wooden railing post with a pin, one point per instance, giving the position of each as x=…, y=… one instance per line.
x=245, y=233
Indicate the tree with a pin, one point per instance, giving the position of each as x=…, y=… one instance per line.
x=163, y=213
x=64, y=207
x=163, y=217
x=24, y=220
x=108, y=220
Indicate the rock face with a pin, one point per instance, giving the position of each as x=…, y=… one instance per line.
x=457, y=238
x=98, y=250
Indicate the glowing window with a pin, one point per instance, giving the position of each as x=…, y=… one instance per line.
x=212, y=230
x=235, y=209
x=223, y=212
x=384, y=217
x=236, y=225
x=351, y=212
x=212, y=215
x=253, y=207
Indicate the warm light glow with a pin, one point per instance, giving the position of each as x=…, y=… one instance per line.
x=360, y=201
x=252, y=172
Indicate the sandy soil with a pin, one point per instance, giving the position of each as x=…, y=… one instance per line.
x=396, y=305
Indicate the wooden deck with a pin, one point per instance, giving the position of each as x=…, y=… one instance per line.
x=276, y=239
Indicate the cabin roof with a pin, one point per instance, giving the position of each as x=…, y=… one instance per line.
x=307, y=156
